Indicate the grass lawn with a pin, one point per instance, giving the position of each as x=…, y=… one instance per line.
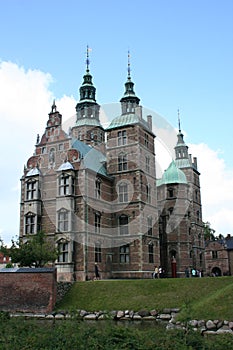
x=203, y=297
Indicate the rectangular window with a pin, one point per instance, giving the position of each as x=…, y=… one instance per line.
x=214, y=254
x=147, y=164
x=97, y=189
x=123, y=193
x=149, y=225
x=63, y=220
x=64, y=185
x=122, y=162
x=31, y=190
x=63, y=252
x=148, y=194
x=123, y=223
x=151, y=253
x=146, y=141
x=98, y=253
x=30, y=220
x=122, y=137
x=97, y=223
x=124, y=254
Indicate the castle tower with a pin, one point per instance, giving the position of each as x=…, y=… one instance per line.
x=180, y=228
x=88, y=128
x=131, y=161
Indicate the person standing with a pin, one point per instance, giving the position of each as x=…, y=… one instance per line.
x=156, y=272
x=97, y=275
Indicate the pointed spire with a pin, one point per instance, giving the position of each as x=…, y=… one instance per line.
x=178, y=112
x=54, y=107
x=87, y=59
x=181, y=148
x=129, y=101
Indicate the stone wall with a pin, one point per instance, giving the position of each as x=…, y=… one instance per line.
x=27, y=289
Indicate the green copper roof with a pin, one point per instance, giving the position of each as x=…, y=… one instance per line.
x=127, y=119
x=88, y=121
x=183, y=163
x=172, y=175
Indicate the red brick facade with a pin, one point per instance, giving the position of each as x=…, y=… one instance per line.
x=28, y=290
x=99, y=202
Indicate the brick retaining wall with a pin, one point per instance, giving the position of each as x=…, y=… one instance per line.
x=27, y=289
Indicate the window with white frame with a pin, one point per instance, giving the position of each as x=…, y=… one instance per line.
x=122, y=162
x=123, y=192
x=66, y=184
x=31, y=189
x=122, y=137
x=63, y=248
x=124, y=254
x=63, y=220
x=97, y=222
x=123, y=225
x=30, y=223
x=146, y=140
x=98, y=253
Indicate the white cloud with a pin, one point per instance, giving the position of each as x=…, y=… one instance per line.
x=216, y=188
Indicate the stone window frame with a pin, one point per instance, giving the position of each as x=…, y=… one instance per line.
x=31, y=189
x=151, y=253
x=122, y=162
x=214, y=254
x=123, y=222
x=65, y=184
x=147, y=164
x=146, y=140
x=148, y=193
x=98, y=252
x=124, y=253
x=30, y=223
x=63, y=246
x=123, y=193
x=63, y=216
x=97, y=222
x=149, y=225
x=98, y=188
x=122, y=138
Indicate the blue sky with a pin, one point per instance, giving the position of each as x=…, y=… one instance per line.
x=181, y=57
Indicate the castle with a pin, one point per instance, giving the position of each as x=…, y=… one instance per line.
x=95, y=194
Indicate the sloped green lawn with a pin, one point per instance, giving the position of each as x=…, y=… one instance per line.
x=203, y=297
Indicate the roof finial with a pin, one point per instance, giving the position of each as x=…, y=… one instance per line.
x=54, y=107
x=87, y=58
x=129, y=65
x=178, y=111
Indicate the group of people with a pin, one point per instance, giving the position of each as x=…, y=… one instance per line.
x=158, y=272
x=192, y=272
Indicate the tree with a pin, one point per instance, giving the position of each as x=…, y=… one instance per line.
x=36, y=252
x=208, y=232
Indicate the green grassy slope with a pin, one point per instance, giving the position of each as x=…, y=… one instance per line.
x=205, y=297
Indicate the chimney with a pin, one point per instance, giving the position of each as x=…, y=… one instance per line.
x=149, y=121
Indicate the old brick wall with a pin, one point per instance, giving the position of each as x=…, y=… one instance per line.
x=28, y=290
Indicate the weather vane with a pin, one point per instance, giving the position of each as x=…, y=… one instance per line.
x=178, y=111
x=87, y=57
x=128, y=63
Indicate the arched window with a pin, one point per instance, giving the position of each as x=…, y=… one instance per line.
x=122, y=162
x=123, y=192
x=123, y=224
x=63, y=220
